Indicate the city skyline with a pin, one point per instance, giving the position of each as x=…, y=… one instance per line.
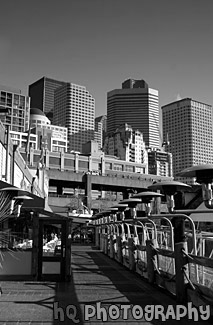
x=98, y=44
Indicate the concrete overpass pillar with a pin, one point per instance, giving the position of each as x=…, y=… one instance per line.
x=90, y=163
x=76, y=162
x=62, y=160
x=88, y=190
x=103, y=165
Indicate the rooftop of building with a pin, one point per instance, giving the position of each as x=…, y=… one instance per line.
x=49, y=79
x=134, y=83
x=100, y=118
x=11, y=90
x=133, y=91
x=183, y=100
x=36, y=111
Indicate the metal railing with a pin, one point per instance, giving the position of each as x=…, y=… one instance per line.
x=146, y=247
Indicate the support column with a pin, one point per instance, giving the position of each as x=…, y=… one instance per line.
x=132, y=264
x=35, y=245
x=76, y=162
x=180, y=260
x=103, y=165
x=88, y=190
x=62, y=161
x=151, y=260
x=90, y=163
x=68, y=250
x=97, y=236
x=119, y=252
x=180, y=267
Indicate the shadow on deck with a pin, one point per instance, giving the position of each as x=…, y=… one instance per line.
x=119, y=295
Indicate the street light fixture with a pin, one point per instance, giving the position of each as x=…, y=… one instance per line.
x=121, y=208
x=146, y=198
x=204, y=176
x=20, y=201
x=14, y=193
x=169, y=188
x=132, y=203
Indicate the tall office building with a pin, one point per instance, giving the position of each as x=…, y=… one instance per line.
x=188, y=125
x=100, y=130
x=14, y=109
x=41, y=93
x=137, y=105
x=74, y=108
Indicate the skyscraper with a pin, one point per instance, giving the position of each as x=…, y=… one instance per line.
x=14, y=109
x=100, y=130
x=41, y=93
x=74, y=108
x=188, y=126
x=137, y=105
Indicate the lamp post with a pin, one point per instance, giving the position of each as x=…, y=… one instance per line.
x=20, y=201
x=120, y=209
x=13, y=194
x=170, y=188
x=204, y=176
x=146, y=197
x=132, y=203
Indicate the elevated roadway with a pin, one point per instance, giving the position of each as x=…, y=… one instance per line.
x=111, y=181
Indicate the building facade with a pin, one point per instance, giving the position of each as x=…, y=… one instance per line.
x=14, y=109
x=137, y=105
x=128, y=145
x=20, y=139
x=41, y=93
x=100, y=130
x=54, y=136
x=187, y=124
x=43, y=133
x=160, y=162
x=74, y=108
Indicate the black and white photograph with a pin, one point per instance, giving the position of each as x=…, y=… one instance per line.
x=106, y=162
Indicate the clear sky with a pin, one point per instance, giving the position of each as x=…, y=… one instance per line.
x=100, y=43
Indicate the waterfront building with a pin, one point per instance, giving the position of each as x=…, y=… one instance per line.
x=187, y=124
x=137, y=105
x=100, y=130
x=14, y=109
x=41, y=93
x=127, y=144
x=74, y=108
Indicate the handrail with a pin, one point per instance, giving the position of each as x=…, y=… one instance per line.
x=183, y=216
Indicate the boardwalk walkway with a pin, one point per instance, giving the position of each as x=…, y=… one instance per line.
x=97, y=281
